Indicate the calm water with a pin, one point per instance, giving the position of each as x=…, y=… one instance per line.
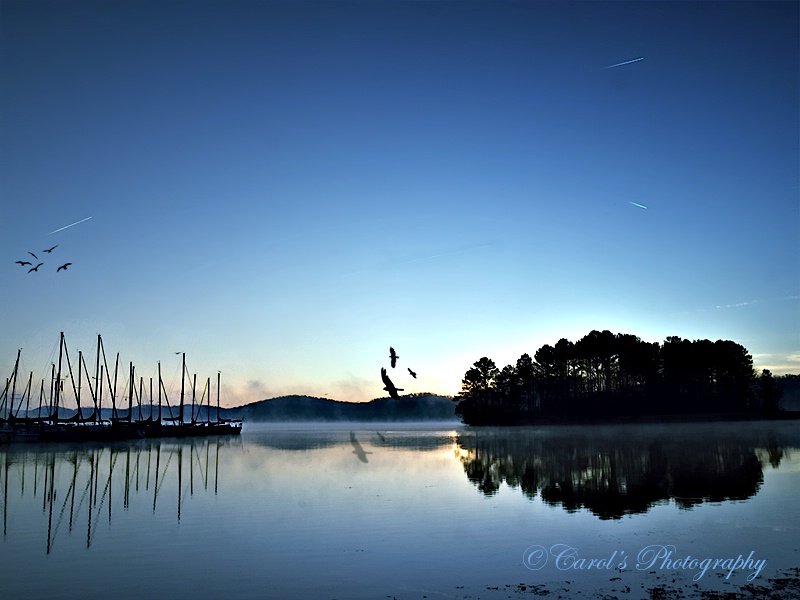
x=396, y=511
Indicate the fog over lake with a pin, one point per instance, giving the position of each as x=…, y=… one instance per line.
x=391, y=510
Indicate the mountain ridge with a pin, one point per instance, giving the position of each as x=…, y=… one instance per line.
x=416, y=407
x=295, y=407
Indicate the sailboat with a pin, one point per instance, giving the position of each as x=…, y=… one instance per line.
x=53, y=427
x=179, y=427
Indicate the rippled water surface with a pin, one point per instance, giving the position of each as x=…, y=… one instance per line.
x=405, y=511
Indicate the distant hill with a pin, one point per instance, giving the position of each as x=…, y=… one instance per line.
x=423, y=407
x=416, y=407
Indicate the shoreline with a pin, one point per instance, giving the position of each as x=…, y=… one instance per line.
x=791, y=415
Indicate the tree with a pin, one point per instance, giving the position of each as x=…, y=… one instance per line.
x=476, y=391
x=638, y=374
x=604, y=375
x=676, y=360
x=770, y=392
x=733, y=375
x=507, y=392
x=480, y=377
x=526, y=372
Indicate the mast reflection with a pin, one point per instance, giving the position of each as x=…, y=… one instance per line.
x=86, y=483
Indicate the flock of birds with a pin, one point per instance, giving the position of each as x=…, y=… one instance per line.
x=389, y=386
x=24, y=263
x=358, y=449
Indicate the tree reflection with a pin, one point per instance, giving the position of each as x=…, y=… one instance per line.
x=623, y=470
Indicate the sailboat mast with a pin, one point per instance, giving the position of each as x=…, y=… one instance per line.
x=208, y=412
x=52, y=389
x=183, y=382
x=78, y=396
x=28, y=399
x=92, y=390
x=98, y=378
x=130, y=392
x=114, y=390
x=218, y=378
x=75, y=391
x=159, y=392
x=100, y=395
x=58, y=377
x=14, y=382
x=194, y=390
x=41, y=397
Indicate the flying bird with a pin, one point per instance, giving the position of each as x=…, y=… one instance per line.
x=22, y=263
x=414, y=375
x=64, y=266
x=389, y=386
x=393, y=356
x=33, y=255
x=49, y=250
x=36, y=268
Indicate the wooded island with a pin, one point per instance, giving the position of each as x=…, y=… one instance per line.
x=611, y=377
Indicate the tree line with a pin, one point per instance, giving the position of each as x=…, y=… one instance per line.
x=612, y=376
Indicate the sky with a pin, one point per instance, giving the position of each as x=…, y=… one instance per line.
x=283, y=190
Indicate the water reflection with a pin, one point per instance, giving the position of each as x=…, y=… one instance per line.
x=319, y=437
x=623, y=470
x=358, y=450
x=77, y=487
x=294, y=512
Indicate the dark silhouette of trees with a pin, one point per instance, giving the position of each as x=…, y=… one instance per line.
x=478, y=389
x=770, y=392
x=608, y=376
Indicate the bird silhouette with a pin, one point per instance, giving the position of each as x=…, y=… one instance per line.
x=33, y=255
x=64, y=266
x=414, y=375
x=389, y=386
x=23, y=263
x=36, y=268
x=49, y=250
x=358, y=450
x=393, y=356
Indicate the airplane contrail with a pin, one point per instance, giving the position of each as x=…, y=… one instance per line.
x=68, y=226
x=627, y=62
x=637, y=204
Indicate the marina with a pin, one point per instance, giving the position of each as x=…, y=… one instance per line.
x=58, y=416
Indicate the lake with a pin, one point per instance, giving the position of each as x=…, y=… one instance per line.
x=408, y=511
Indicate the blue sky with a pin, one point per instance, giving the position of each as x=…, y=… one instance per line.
x=285, y=189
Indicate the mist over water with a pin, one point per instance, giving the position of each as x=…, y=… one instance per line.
x=370, y=510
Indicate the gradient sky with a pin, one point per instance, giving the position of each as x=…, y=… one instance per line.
x=285, y=189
